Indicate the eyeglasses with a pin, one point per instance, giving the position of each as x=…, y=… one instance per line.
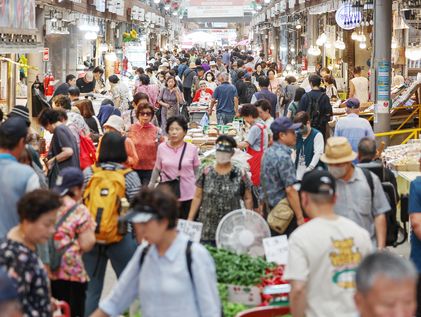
x=146, y=114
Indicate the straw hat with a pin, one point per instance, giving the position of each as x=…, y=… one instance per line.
x=192, y=65
x=338, y=150
x=116, y=123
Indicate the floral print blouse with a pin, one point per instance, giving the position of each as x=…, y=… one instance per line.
x=72, y=268
x=26, y=269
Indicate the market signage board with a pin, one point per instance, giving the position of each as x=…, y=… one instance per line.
x=347, y=17
x=192, y=229
x=383, y=87
x=276, y=249
x=215, y=12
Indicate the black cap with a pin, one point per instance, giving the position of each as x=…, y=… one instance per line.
x=318, y=182
x=8, y=289
x=14, y=126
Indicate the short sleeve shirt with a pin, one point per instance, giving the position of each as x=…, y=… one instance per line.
x=277, y=173
x=26, y=269
x=225, y=94
x=415, y=207
x=254, y=136
x=362, y=210
x=63, y=138
x=325, y=254
x=167, y=162
x=71, y=266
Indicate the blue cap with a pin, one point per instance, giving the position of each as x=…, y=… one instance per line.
x=8, y=289
x=67, y=178
x=283, y=124
x=353, y=103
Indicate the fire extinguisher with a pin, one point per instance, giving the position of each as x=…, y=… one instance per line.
x=305, y=64
x=46, y=83
x=117, y=67
x=50, y=89
x=125, y=64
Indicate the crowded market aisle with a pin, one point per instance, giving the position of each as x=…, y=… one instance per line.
x=182, y=167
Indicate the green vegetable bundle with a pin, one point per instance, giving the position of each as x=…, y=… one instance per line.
x=238, y=269
x=230, y=309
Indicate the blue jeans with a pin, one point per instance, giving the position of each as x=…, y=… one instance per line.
x=95, y=263
x=224, y=118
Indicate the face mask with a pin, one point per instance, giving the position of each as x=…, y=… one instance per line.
x=336, y=171
x=304, y=130
x=222, y=157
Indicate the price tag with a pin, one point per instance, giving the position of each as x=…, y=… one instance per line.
x=190, y=228
x=245, y=295
x=276, y=249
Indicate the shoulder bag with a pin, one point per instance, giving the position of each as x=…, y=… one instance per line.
x=174, y=184
x=280, y=216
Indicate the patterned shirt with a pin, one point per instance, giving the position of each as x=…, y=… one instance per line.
x=221, y=195
x=26, y=269
x=71, y=267
x=278, y=172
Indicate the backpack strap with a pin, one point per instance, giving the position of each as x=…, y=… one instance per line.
x=143, y=255
x=262, y=128
x=65, y=216
x=370, y=181
x=189, y=260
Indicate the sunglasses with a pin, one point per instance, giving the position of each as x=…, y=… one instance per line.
x=146, y=114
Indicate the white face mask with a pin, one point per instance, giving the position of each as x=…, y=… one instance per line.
x=222, y=157
x=336, y=171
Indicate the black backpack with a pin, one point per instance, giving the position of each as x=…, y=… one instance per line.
x=396, y=234
x=313, y=110
x=249, y=90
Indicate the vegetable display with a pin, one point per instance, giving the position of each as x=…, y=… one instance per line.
x=238, y=269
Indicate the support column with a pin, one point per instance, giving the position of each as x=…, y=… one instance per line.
x=35, y=59
x=382, y=64
x=11, y=83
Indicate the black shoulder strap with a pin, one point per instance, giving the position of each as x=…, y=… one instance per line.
x=131, y=117
x=370, y=181
x=143, y=255
x=182, y=155
x=189, y=260
x=65, y=216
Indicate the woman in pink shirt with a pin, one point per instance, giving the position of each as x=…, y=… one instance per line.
x=146, y=138
x=168, y=165
x=151, y=90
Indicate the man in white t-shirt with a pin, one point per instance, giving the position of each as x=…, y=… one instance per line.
x=324, y=253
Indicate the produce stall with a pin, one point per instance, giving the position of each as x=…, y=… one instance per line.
x=246, y=282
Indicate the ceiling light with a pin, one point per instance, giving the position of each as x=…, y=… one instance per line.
x=354, y=36
x=363, y=45
x=156, y=1
x=91, y=35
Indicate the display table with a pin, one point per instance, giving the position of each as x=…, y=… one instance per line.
x=404, y=180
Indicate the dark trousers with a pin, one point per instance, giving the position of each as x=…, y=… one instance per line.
x=73, y=293
x=144, y=176
x=187, y=95
x=184, y=209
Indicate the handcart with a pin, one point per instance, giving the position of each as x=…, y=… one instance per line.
x=197, y=110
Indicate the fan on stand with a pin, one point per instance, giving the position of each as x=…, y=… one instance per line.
x=242, y=231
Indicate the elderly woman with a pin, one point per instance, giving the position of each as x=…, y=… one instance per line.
x=177, y=159
x=37, y=212
x=146, y=138
x=147, y=88
x=170, y=99
x=170, y=267
x=220, y=189
x=204, y=94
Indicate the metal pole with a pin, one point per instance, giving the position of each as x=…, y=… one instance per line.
x=11, y=83
x=382, y=65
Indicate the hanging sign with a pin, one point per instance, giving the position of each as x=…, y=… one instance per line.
x=348, y=17
x=46, y=54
